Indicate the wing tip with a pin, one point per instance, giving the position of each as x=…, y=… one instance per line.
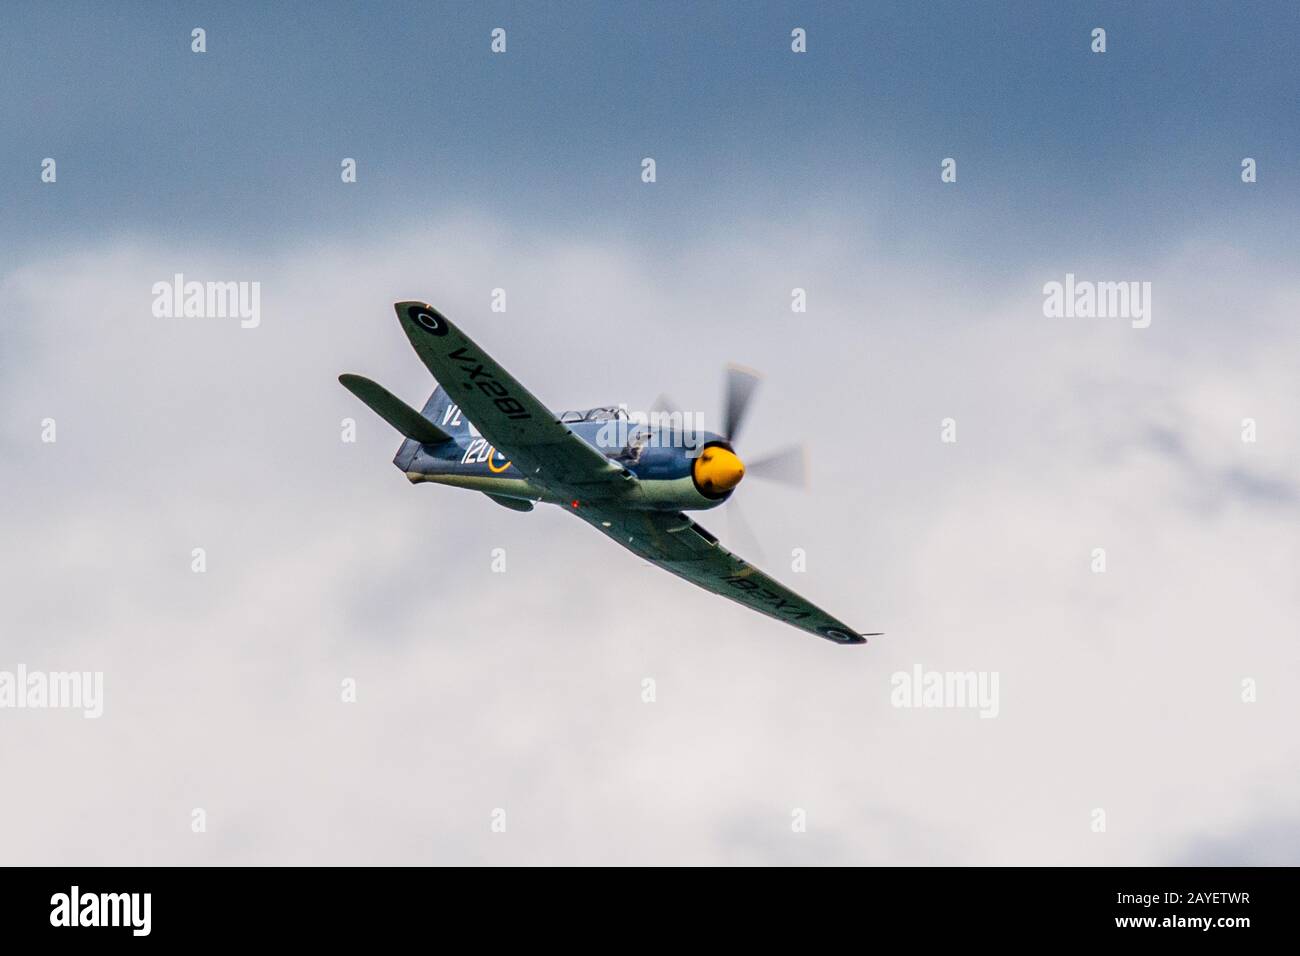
x=841, y=635
x=745, y=370
x=419, y=319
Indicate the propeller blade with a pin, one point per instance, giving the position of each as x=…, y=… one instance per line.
x=664, y=405
x=741, y=383
x=789, y=466
x=668, y=415
x=739, y=531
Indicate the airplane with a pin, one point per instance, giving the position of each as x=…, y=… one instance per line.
x=633, y=482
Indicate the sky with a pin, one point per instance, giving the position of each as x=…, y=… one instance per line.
x=523, y=692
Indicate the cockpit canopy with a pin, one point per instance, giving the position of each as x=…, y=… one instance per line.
x=605, y=413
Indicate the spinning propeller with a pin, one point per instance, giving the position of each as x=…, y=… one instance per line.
x=719, y=469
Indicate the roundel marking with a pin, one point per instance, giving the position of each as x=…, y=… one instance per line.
x=429, y=322
x=835, y=634
x=493, y=468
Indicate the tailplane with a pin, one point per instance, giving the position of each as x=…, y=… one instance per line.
x=396, y=412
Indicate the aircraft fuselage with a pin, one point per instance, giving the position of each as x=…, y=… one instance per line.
x=663, y=461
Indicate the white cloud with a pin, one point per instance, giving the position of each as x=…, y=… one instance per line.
x=522, y=690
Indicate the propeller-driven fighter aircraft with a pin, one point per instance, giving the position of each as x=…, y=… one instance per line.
x=630, y=481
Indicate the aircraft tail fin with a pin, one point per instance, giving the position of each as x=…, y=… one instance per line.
x=446, y=414
x=393, y=410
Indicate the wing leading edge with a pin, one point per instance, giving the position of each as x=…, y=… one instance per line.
x=677, y=544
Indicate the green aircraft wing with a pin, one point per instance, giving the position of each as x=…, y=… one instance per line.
x=506, y=413
x=677, y=544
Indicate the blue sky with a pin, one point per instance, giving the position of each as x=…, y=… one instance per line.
x=1125, y=153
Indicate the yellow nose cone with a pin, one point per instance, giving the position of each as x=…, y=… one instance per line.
x=717, y=470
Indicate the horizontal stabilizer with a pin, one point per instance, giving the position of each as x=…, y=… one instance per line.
x=514, y=504
x=393, y=410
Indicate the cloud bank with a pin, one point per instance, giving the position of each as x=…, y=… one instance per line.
x=523, y=691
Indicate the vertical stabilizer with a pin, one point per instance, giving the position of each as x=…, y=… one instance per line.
x=446, y=414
